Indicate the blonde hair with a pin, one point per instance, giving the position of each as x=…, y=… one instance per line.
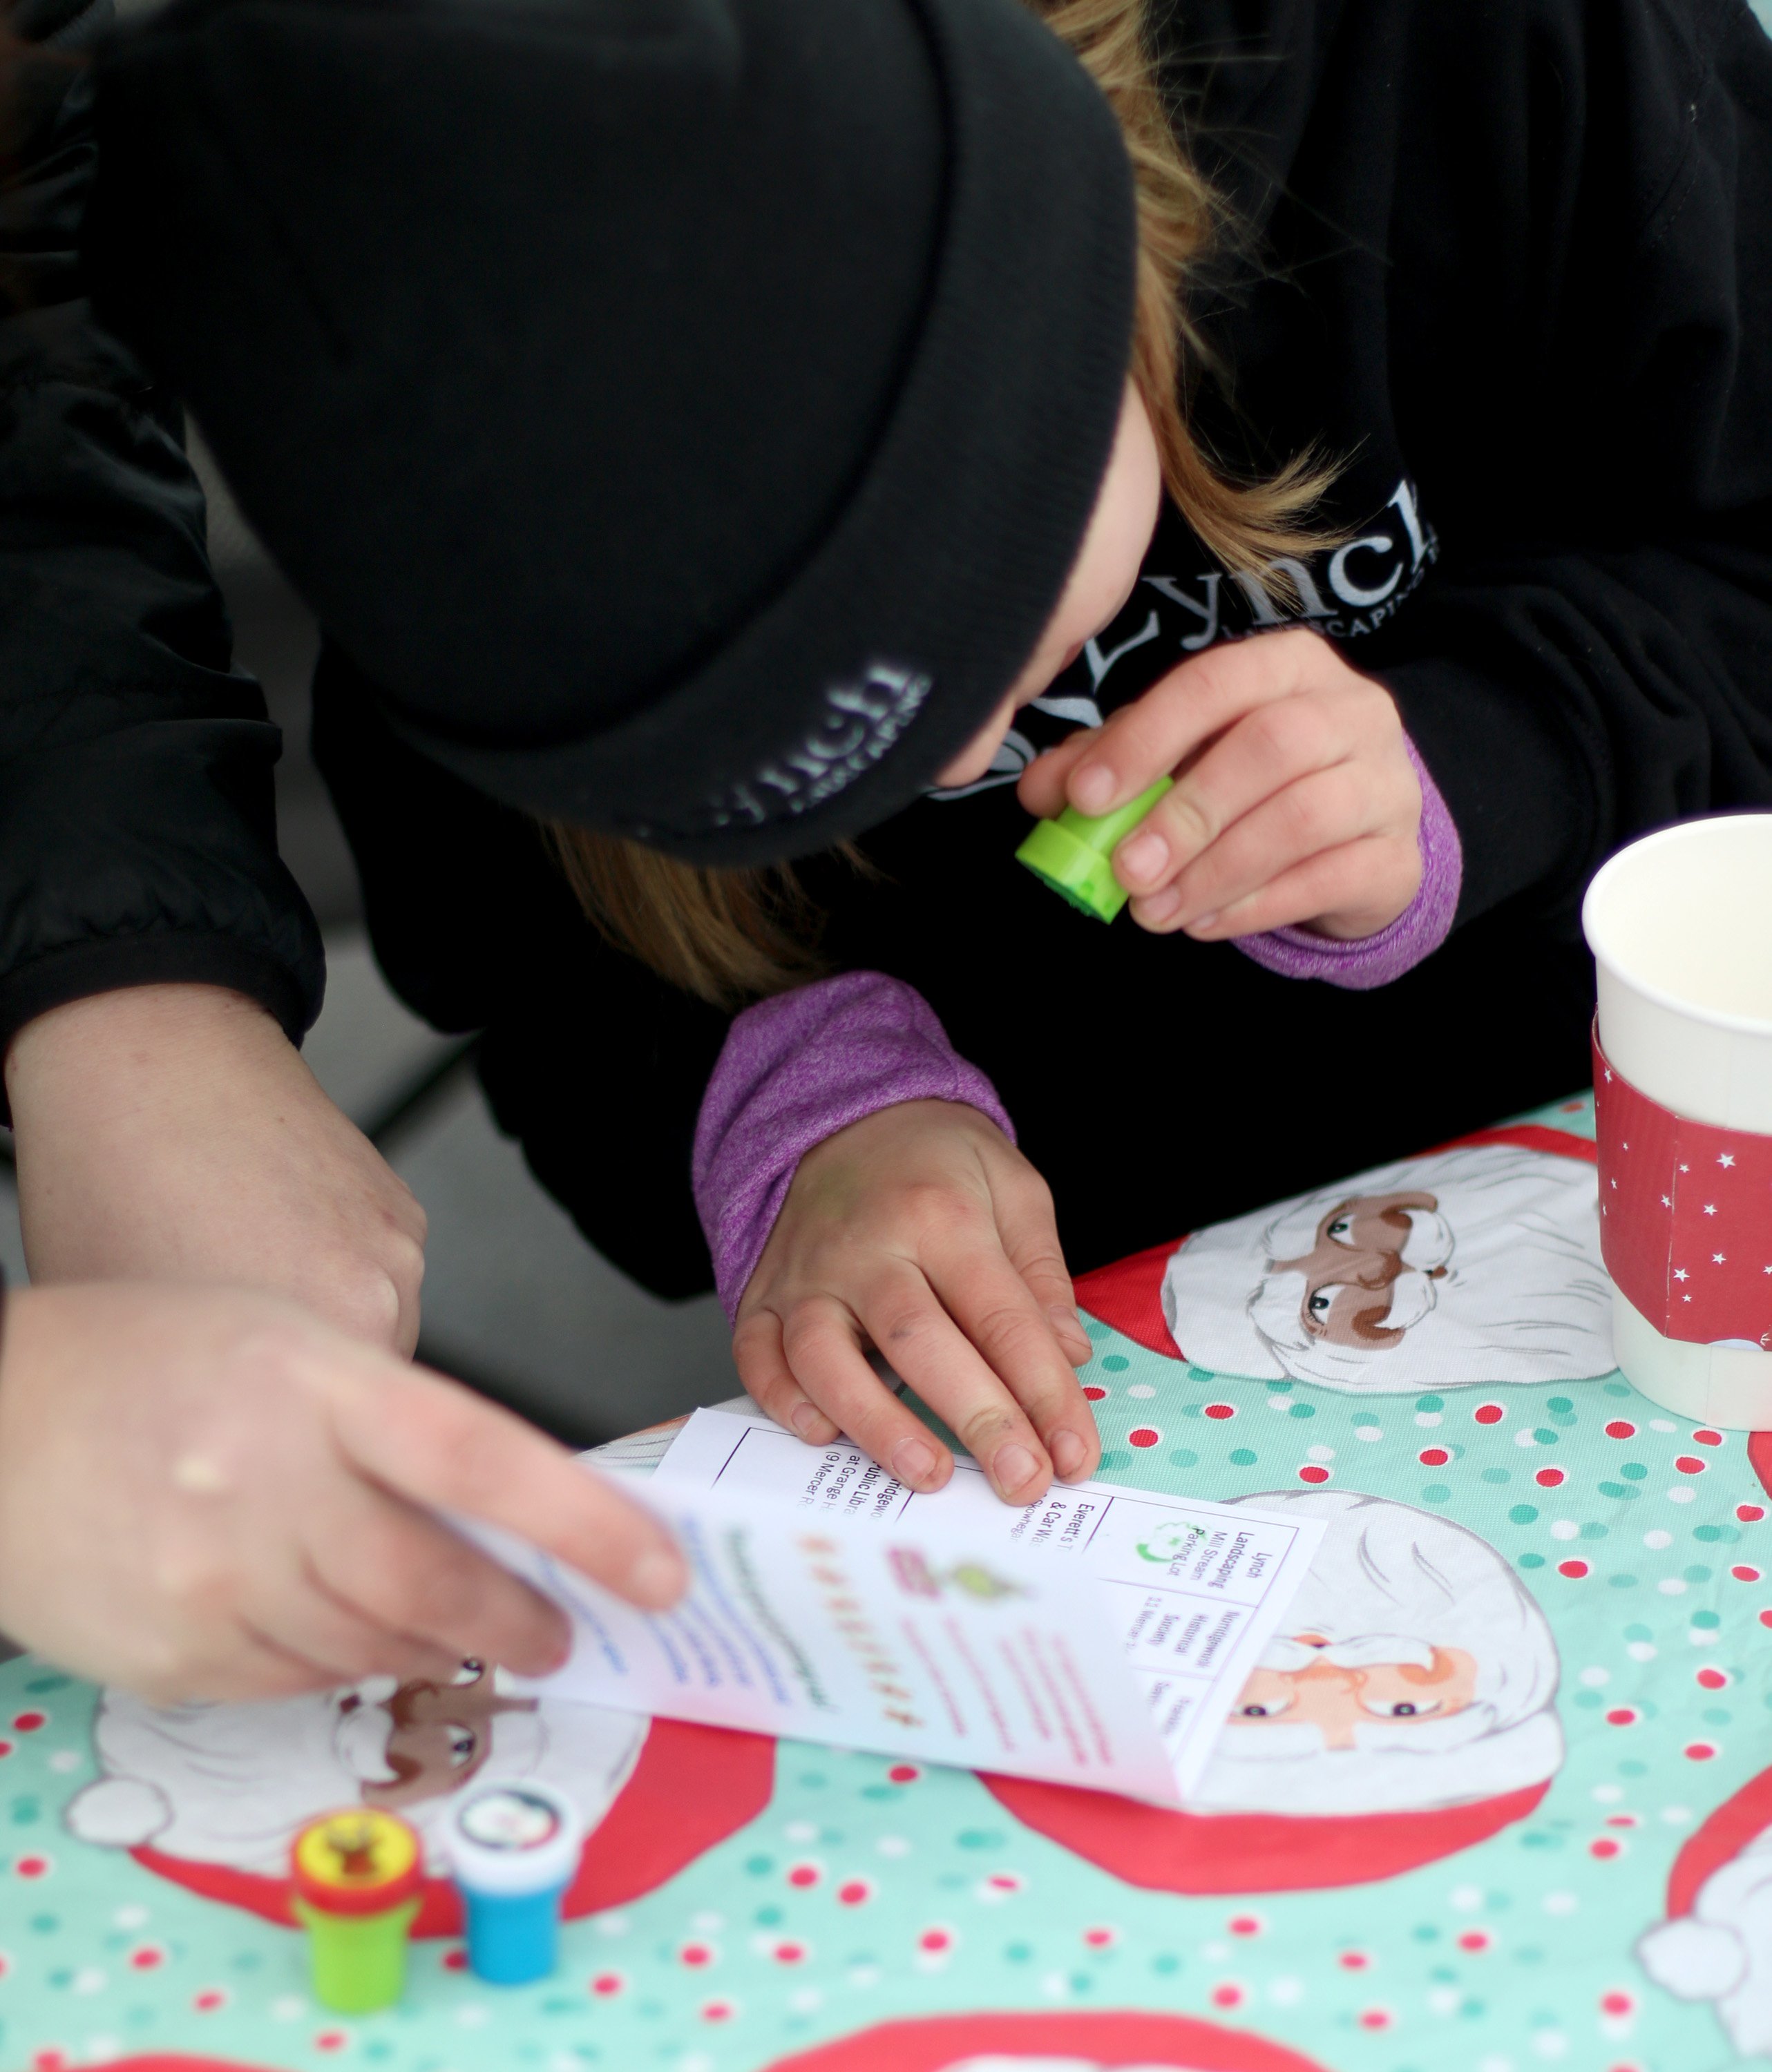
x=728, y=936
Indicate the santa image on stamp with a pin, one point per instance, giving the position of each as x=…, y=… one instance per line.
x=1407, y=1711
x=1468, y=1267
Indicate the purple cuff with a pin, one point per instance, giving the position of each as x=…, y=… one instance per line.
x=794, y=1070
x=1417, y=931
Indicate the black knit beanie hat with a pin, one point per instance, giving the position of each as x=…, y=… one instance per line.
x=686, y=412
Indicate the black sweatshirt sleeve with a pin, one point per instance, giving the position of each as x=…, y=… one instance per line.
x=1592, y=657
x=137, y=830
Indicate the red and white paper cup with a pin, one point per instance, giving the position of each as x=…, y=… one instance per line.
x=1680, y=926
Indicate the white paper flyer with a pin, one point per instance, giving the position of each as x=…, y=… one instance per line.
x=1098, y=1637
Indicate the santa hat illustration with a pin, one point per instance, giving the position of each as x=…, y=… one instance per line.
x=211, y=1796
x=1110, y=2041
x=1717, y=1941
x=1477, y=1264
x=1278, y=1809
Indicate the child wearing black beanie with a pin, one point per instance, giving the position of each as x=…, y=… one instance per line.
x=732, y=514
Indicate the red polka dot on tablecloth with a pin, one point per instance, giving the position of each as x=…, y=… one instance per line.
x=696, y=1955
x=1095, y=1394
x=1550, y=1478
x=1433, y=1457
x=1745, y=1571
x=903, y=1772
x=1227, y=1993
x=1003, y=1882
x=1144, y=1435
x=1699, y=1751
x=330, y=2039
x=1375, y=2018
x=1750, y=1513
x=1475, y=1940
x=1312, y=1472
x=454, y=1960
x=1689, y=1464
x=1353, y=1960
x=1621, y=1427
x=1221, y=1410
x=1245, y=1924
x=935, y=1941
x=1622, y=1820
x=606, y=1984
x=1617, y=2003
x=1098, y=1939
x=6, y=1747
x=1622, y=1715
x=29, y=1723
x=1489, y=1413
x=1765, y=1615
x=855, y=1892
x=1705, y=1436
x=33, y=1867
x=803, y=1876
x=1605, y=1847
x=717, y=2011
x=789, y=1953
x=50, y=2061
x=207, y=2001
x=1575, y=1570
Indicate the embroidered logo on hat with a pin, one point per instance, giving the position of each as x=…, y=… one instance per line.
x=860, y=721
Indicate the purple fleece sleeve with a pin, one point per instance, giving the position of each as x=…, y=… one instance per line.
x=1417, y=931
x=796, y=1070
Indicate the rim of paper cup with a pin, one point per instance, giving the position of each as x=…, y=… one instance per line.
x=1714, y=1017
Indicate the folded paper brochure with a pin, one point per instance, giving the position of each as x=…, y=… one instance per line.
x=1097, y=1637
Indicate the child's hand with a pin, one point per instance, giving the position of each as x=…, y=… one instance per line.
x=1295, y=804
x=207, y=1494
x=922, y=1231
x=172, y=1132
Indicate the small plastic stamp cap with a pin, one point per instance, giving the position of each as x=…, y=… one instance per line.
x=508, y=1839
x=1072, y=853
x=359, y=1860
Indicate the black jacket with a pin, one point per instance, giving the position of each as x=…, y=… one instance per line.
x=1512, y=266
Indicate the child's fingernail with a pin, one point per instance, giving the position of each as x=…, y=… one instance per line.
x=1144, y=855
x=1069, y=1454
x=913, y=1459
x=1159, y=907
x=1202, y=922
x=1092, y=788
x=805, y=1418
x=1013, y=1465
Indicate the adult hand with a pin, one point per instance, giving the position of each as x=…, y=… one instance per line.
x=172, y=1132
x=923, y=1232
x=207, y=1494
x=1294, y=800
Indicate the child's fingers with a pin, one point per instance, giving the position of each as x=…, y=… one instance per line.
x=1262, y=757
x=408, y=1573
x=1154, y=734
x=1337, y=881
x=936, y=1353
x=1029, y=1232
x=1004, y=1320
x=306, y=1618
x=769, y=1380
x=1041, y=788
x=241, y=1667
x=821, y=1340
x=447, y=1449
x=1321, y=811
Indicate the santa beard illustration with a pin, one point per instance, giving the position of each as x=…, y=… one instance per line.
x=1472, y=1266
x=212, y=1795
x=1408, y=1711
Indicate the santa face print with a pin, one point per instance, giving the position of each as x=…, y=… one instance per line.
x=1336, y=1690
x=438, y=1736
x=1351, y=1274
x=1471, y=1267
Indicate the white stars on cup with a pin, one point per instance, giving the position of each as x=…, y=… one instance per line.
x=1667, y=1202
x=1725, y=1157
x=1717, y=1258
x=1710, y=1208
x=1681, y=1274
